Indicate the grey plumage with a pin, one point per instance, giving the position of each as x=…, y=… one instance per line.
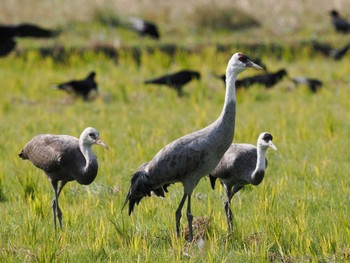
x=64, y=158
x=192, y=156
x=242, y=164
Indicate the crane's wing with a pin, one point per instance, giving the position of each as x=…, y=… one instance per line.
x=187, y=155
x=45, y=151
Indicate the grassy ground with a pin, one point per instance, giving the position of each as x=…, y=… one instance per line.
x=298, y=214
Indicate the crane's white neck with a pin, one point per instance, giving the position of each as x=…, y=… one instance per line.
x=230, y=96
x=259, y=172
x=88, y=155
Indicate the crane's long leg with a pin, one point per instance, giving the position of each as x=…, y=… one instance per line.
x=189, y=218
x=59, y=213
x=54, y=203
x=178, y=214
x=228, y=211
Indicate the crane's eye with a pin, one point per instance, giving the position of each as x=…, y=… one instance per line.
x=243, y=58
x=92, y=135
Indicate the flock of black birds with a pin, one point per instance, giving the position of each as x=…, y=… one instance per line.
x=83, y=88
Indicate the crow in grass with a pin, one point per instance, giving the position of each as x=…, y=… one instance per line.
x=81, y=88
x=313, y=84
x=8, y=33
x=266, y=79
x=340, y=24
x=144, y=28
x=329, y=51
x=176, y=80
x=338, y=53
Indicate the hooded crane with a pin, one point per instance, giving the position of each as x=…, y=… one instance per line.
x=176, y=80
x=242, y=164
x=64, y=158
x=82, y=87
x=192, y=156
x=8, y=33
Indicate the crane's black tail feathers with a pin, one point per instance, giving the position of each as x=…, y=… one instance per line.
x=212, y=181
x=139, y=188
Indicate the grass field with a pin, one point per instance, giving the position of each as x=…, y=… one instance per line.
x=299, y=213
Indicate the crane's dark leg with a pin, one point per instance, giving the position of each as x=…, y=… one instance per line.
x=178, y=214
x=228, y=211
x=54, y=203
x=59, y=213
x=189, y=218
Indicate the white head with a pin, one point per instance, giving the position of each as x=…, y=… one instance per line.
x=90, y=136
x=265, y=141
x=238, y=63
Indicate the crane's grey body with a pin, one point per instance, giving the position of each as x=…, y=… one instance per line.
x=189, y=158
x=192, y=156
x=237, y=166
x=242, y=164
x=64, y=158
x=60, y=157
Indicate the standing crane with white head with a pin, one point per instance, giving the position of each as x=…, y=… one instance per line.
x=242, y=164
x=64, y=158
x=192, y=156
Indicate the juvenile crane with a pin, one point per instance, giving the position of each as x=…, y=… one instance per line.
x=64, y=158
x=242, y=164
x=192, y=156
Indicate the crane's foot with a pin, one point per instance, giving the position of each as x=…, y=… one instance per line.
x=190, y=228
x=229, y=216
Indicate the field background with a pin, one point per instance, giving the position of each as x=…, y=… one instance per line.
x=299, y=213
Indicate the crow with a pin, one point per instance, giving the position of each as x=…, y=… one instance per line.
x=144, y=28
x=313, y=84
x=82, y=87
x=8, y=33
x=340, y=24
x=176, y=80
x=266, y=79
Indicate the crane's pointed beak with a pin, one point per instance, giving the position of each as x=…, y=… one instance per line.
x=251, y=64
x=272, y=145
x=100, y=142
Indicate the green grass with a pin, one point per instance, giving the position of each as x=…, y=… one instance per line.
x=299, y=213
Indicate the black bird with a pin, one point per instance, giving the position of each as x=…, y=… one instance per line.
x=266, y=79
x=176, y=80
x=313, y=84
x=338, y=53
x=8, y=33
x=82, y=87
x=144, y=28
x=329, y=51
x=340, y=24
